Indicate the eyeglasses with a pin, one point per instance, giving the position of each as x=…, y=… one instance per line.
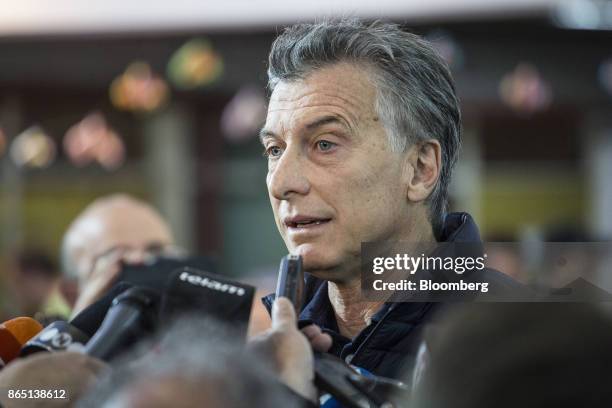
x=130, y=254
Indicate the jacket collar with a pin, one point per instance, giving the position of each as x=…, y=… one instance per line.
x=459, y=227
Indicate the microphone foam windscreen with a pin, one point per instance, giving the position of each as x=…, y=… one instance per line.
x=199, y=293
x=23, y=328
x=90, y=319
x=9, y=346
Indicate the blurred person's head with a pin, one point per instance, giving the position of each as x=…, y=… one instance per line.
x=33, y=277
x=518, y=355
x=110, y=223
x=362, y=132
x=196, y=362
x=67, y=373
x=176, y=391
x=225, y=383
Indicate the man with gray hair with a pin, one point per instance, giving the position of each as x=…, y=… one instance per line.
x=362, y=132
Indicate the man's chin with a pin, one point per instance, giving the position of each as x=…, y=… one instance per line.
x=314, y=257
x=320, y=262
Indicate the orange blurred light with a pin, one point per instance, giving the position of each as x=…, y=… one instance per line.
x=138, y=89
x=33, y=148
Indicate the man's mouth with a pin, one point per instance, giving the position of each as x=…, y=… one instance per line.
x=301, y=222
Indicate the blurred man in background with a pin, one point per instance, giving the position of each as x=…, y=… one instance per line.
x=110, y=230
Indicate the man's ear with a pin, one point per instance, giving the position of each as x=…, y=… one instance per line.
x=422, y=170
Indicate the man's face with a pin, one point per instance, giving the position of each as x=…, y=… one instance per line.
x=121, y=227
x=333, y=180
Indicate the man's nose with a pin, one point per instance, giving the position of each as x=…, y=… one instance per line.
x=288, y=176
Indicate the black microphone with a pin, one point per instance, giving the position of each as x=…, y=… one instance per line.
x=194, y=292
x=60, y=335
x=332, y=374
x=155, y=272
x=132, y=316
x=290, y=282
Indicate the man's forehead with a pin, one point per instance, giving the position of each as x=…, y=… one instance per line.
x=124, y=224
x=343, y=89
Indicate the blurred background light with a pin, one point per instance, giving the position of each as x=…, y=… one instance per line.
x=244, y=114
x=578, y=14
x=605, y=75
x=138, y=89
x=524, y=90
x=3, y=142
x=93, y=140
x=195, y=64
x=33, y=148
x=583, y=14
x=447, y=47
x=111, y=152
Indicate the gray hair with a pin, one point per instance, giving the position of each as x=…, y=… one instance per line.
x=415, y=91
x=201, y=354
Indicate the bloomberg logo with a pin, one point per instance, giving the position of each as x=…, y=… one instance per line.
x=211, y=284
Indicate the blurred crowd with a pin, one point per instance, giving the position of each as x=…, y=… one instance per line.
x=472, y=355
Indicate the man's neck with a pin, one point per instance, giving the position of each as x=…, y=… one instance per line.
x=352, y=313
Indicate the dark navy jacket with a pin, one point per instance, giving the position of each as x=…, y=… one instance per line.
x=388, y=346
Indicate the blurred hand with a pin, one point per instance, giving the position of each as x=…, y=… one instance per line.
x=260, y=320
x=318, y=340
x=287, y=349
x=105, y=272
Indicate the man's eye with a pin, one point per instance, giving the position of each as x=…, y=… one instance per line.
x=324, y=145
x=273, y=151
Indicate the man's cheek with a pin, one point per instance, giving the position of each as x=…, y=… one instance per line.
x=282, y=229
